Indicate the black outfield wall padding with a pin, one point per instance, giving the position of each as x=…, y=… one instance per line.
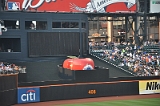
x=8, y=82
x=86, y=90
x=8, y=97
x=8, y=89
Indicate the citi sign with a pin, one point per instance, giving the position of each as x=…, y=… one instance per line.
x=26, y=95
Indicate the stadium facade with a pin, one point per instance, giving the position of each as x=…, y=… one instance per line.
x=58, y=28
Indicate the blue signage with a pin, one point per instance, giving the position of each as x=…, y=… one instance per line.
x=13, y=5
x=26, y=95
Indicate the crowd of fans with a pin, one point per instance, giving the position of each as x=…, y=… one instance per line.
x=7, y=68
x=141, y=60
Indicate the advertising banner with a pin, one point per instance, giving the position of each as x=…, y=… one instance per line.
x=154, y=6
x=26, y=95
x=149, y=87
x=101, y=6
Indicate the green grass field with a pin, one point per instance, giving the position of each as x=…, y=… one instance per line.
x=138, y=102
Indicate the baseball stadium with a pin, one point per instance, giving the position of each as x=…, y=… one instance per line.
x=79, y=53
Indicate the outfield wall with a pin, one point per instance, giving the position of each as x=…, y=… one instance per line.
x=73, y=90
x=63, y=90
x=87, y=90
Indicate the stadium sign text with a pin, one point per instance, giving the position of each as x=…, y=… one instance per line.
x=149, y=87
x=28, y=3
x=26, y=95
x=152, y=86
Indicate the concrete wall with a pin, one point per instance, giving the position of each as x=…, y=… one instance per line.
x=22, y=32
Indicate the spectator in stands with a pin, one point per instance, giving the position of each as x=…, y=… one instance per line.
x=136, y=59
x=32, y=26
x=7, y=68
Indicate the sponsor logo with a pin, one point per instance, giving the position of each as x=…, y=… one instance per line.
x=26, y=95
x=149, y=87
x=13, y=5
x=153, y=86
x=28, y=3
x=88, y=67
